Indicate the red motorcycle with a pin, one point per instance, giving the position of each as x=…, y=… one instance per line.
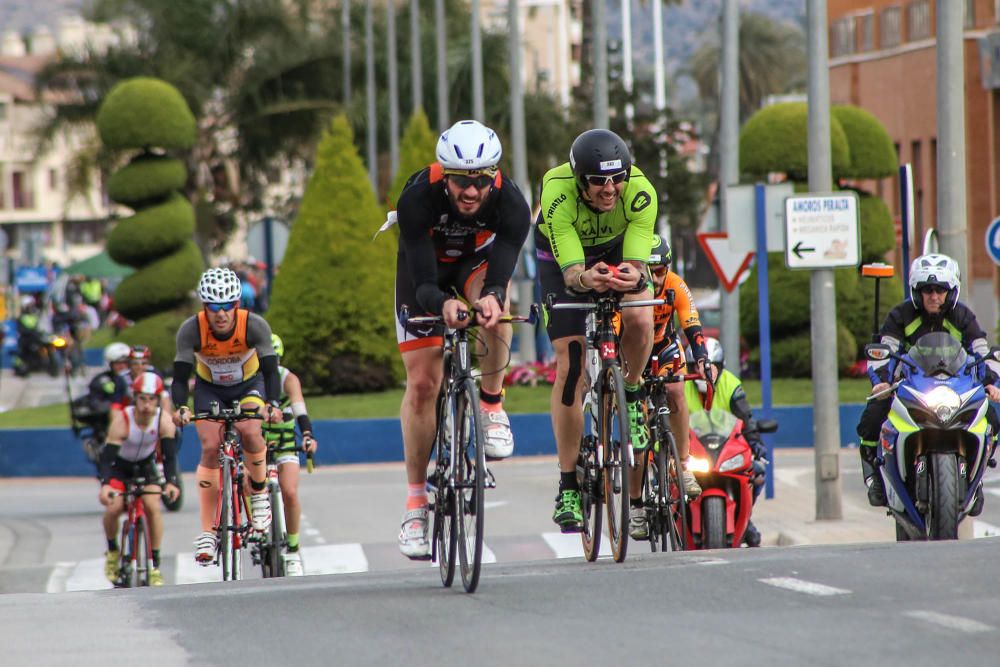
x=723, y=464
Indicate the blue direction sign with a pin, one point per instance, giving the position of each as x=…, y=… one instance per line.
x=993, y=241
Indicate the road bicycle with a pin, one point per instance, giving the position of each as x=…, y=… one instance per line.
x=460, y=478
x=605, y=448
x=136, y=558
x=663, y=496
x=268, y=549
x=232, y=522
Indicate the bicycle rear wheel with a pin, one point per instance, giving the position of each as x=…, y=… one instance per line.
x=277, y=535
x=673, y=503
x=140, y=554
x=650, y=499
x=470, y=483
x=590, y=477
x=445, y=530
x=613, y=428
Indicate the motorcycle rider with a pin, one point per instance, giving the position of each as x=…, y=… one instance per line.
x=729, y=396
x=29, y=335
x=933, y=305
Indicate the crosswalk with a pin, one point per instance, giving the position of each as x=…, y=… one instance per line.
x=320, y=559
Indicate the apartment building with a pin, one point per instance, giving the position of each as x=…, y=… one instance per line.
x=883, y=58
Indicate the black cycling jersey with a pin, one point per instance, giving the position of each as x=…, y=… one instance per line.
x=432, y=233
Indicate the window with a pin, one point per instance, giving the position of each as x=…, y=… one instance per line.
x=21, y=191
x=918, y=20
x=970, y=14
x=3, y=111
x=842, y=37
x=867, y=27
x=53, y=179
x=889, y=24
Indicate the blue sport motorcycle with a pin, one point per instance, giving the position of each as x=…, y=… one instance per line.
x=936, y=443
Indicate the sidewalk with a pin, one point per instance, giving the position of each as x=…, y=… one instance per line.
x=38, y=389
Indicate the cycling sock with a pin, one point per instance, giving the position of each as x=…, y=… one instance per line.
x=488, y=400
x=632, y=392
x=567, y=482
x=293, y=541
x=635, y=502
x=416, y=496
x=113, y=545
x=156, y=558
x=257, y=487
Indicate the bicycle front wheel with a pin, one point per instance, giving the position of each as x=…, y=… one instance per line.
x=227, y=525
x=470, y=482
x=277, y=535
x=445, y=530
x=672, y=502
x=141, y=555
x=613, y=438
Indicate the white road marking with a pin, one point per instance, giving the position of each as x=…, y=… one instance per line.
x=983, y=529
x=334, y=559
x=564, y=545
x=490, y=504
x=189, y=572
x=960, y=623
x=57, y=578
x=88, y=575
x=802, y=586
x=991, y=490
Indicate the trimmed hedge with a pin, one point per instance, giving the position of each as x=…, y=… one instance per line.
x=871, y=151
x=159, y=332
x=775, y=139
x=148, y=177
x=792, y=356
x=878, y=233
x=146, y=234
x=144, y=112
x=332, y=301
x=416, y=151
x=161, y=285
x=859, y=317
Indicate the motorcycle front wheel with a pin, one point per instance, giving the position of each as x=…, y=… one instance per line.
x=942, y=516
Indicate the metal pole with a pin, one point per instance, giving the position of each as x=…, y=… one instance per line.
x=416, y=57
x=729, y=160
x=390, y=27
x=442, y=65
x=905, y=222
x=627, y=76
x=760, y=195
x=370, y=121
x=951, y=213
x=478, y=102
x=345, y=20
x=562, y=20
x=826, y=402
x=659, y=85
x=269, y=253
x=600, y=64
x=526, y=336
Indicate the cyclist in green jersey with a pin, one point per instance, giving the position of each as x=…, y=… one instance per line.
x=594, y=232
x=293, y=406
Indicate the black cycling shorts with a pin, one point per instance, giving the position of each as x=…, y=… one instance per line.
x=124, y=470
x=251, y=391
x=453, y=277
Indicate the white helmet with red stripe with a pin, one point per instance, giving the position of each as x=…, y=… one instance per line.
x=148, y=383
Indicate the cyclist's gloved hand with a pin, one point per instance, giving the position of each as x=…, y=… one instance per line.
x=624, y=277
x=273, y=414
x=993, y=392
x=452, y=314
x=105, y=495
x=182, y=416
x=309, y=442
x=597, y=277
x=707, y=369
x=488, y=310
x=171, y=492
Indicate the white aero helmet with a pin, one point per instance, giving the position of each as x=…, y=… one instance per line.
x=116, y=352
x=935, y=269
x=219, y=286
x=468, y=145
x=716, y=355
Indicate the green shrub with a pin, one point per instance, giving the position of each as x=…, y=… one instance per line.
x=788, y=295
x=878, y=233
x=147, y=177
x=791, y=356
x=332, y=301
x=871, y=150
x=859, y=317
x=416, y=151
x=159, y=332
x=145, y=235
x=145, y=112
x=775, y=139
x=161, y=285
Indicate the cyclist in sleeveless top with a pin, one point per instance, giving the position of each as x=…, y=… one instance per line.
x=230, y=351
x=130, y=452
x=293, y=406
x=461, y=227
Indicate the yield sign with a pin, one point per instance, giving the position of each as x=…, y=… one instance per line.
x=728, y=265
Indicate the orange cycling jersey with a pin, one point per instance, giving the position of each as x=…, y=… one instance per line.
x=226, y=362
x=663, y=316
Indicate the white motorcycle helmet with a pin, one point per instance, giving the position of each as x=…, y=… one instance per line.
x=468, y=145
x=219, y=286
x=116, y=352
x=935, y=269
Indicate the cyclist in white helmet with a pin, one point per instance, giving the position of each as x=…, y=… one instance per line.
x=230, y=351
x=461, y=227
x=935, y=282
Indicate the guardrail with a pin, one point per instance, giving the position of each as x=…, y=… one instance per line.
x=46, y=452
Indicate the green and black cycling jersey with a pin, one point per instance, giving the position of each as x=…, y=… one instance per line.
x=574, y=232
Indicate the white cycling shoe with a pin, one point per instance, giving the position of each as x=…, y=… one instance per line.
x=413, y=542
x=204, y=548
x=293, y=564
x=260, y=508
x=498, y=440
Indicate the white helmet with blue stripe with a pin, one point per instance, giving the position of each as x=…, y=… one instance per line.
x=469, y=145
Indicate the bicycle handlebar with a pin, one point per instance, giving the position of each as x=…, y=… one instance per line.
x=530, y=318
x=593, y=305
x=273, y=449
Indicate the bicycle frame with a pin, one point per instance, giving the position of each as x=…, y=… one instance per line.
x=135, y=516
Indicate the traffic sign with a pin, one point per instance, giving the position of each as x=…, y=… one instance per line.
x=740, y=223
x=822, y=231
x=993, y=240
x=729, y=266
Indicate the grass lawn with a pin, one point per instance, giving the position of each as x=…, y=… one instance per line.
x=519, y=399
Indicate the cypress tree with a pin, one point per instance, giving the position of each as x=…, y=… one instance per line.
x=416, y=151
x=332, y=300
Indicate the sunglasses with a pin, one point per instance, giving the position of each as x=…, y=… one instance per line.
x=216, y=307
x=602, y=180
x=463, y=181
x=660, y=271
x=934, y=289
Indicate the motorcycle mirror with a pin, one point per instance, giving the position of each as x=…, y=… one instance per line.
x=877, y=352
x=994, y=353
x=767, y=426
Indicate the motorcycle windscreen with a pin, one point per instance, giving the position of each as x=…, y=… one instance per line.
x=715, y=421
x=938, y=352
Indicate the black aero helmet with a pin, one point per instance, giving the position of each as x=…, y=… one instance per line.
x=598, y=152
x=660, y=255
